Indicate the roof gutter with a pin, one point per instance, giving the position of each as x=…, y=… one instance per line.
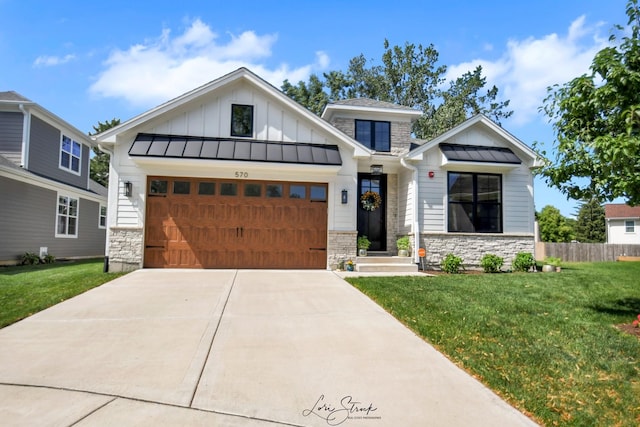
x=26, y=134
x=414, y=208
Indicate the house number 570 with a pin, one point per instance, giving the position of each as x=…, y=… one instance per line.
x=242, y=174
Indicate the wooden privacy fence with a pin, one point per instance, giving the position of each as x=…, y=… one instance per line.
x=585, y=252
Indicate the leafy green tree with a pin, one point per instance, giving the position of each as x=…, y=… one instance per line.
x=590, y=226
x=553, y=226
x=100, y=160
x=596, y=119
x=409, y=75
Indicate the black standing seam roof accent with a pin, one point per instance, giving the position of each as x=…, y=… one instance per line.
x=188, y=147
x=479, y=153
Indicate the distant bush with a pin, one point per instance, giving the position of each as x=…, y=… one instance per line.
x=451, y=264
x=491, y=263
x=523, y=261
x=29, y=258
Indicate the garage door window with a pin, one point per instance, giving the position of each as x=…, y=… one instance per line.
x=207, y=188
x=158, y=186
x=274, y=190
x=181, y=187
x=318, y=193
x=297, y=192
x=228, y=189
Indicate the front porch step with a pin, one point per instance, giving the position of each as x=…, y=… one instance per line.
x=375, y=264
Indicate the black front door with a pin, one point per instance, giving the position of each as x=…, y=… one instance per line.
x=372, y=219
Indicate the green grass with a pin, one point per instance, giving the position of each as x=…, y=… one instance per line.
x=25, y=290
x=546, y=342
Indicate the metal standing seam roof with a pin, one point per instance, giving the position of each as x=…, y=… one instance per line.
x=187, y=147
x=479, y=153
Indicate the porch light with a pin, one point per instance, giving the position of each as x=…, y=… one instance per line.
x=376, y=169
x=128, y=189
x=345, y=197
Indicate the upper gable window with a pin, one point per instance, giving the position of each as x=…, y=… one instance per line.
x=374, y=135
x=70, y=155
x=241, y=120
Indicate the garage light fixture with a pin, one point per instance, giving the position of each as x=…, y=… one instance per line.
x=128, y=189
x=345, y=197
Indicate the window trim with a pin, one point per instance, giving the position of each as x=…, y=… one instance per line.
x=100, y=216
x=626, y=226
x=475, y=202
x=71, y=156
x=251, y=131
x=77, y=217
x=372, y=142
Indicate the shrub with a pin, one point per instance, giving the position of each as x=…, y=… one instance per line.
x=491, y=263
x=48, y=259
x=363, y=242
x=403, y=243
x=523, y=261
x=29, y=258
x=451, y=264
x=556, y=262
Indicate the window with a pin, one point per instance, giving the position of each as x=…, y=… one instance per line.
x=252, y=190
x=297, y=192
x=228, y=189
x=274, y=190
x=630, y=226
x=319, y=193
x=102, y=218
x=374, y=135
x=67, y=217
x=181, y=187
x=241, y=120
x=207, y=188
x=475, y=203
x=158, y=186
x=70, y=155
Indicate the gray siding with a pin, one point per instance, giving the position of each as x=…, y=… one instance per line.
x=11, y=135
x=28, y=217
x=44, y=155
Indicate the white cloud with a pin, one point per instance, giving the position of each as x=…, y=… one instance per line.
x=529, y=66
x=160, y=69
x=51, y=61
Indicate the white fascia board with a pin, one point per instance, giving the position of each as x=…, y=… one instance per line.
x=414, y=114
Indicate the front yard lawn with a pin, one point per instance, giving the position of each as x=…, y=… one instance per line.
x=25, y=290
x=546, y=342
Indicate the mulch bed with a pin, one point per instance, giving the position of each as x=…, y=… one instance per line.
x=629, y=329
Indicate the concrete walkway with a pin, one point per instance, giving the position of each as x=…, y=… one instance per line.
x=232, y=348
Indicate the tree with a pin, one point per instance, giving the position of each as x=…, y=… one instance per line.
x=408, y=76
x=100, y=160
x=553, y=226
x=596, y=120
x=590, y=226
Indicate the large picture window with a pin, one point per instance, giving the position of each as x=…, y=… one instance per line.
x=475, y=202
x=67, y=217
x=242, y=120
x=374, y=135
x=70, y=154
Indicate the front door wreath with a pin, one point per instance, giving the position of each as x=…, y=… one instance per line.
x=370, y=201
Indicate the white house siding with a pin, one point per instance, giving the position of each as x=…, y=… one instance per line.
x=211, y=117
x=616, y=232
x=405, y=202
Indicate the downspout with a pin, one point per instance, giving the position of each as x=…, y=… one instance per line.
x=414, y=208
x=26, y=133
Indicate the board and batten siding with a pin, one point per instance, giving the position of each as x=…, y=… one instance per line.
x=29, y=222
x=11, y=124
x=44, y=154
x=405, y=202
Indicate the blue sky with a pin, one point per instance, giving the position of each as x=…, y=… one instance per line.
x=94, y=61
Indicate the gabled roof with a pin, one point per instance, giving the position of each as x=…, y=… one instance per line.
x=13, y=96
x=621, y=210
x=109, y=136
x=482, y=120
x=371, y=103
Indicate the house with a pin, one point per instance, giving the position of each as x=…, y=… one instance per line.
x=623, y=223
x=49, y=203
x=234, y=174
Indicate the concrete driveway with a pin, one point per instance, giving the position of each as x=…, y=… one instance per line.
x=232, y=348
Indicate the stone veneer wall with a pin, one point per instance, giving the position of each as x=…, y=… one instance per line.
x=472, y=247
x=341, y=246
x=125, y=248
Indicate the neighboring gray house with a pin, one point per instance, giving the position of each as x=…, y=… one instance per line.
x=234, y=174
x=49, y=203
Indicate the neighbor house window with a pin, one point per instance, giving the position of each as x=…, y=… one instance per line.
x=102, y=219
x=374, y=135
x=630, y=226
x=475, y=202
x=67, y=217
x=70, y=154
x=242, y=120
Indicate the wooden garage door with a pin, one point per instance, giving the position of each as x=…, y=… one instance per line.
x=210, y=223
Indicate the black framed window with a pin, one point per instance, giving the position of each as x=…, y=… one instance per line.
x=373, y=134
x=475, y=202
x=241, y=120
